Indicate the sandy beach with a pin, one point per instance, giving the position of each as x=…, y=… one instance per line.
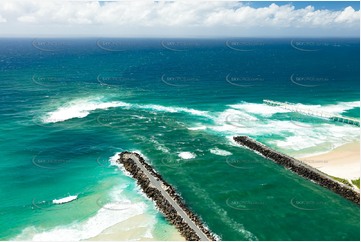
x=343, y=161
x=132, y=229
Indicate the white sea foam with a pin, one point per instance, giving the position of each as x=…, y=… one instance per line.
x=298, y=142
x=118, y=205
x=159, y=146
x=258, y=108
x=267, y=110
x=234, y=122
x=198, y=128
x=113, y=159
x=326, y=136
x=240, y=119
x=186, y=155
x=306, y=141
x=65, y=199
x=119, y=209
x=171, y=109
x=235, y=118
x=289, y=135
x=338, y=108
x=220, y=152
x=79, y=109
x=103, y=219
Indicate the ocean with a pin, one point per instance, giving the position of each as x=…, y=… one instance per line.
x=68, y=106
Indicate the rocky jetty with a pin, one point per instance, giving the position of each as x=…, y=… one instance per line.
x=161, y=202
x=300, y=168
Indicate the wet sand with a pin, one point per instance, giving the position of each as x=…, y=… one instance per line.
x=138, y=227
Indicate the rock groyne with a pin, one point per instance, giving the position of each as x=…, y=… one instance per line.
x=165, y=197
x=300, y=168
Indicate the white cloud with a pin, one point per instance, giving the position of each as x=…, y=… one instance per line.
x=148, y=14
x=2, y=20
x=349, y=15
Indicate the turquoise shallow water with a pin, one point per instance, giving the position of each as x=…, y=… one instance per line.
x=68, y=108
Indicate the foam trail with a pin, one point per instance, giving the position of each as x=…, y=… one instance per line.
x=290, y=136
x=79, y=109
x=335, y=109
x=267, y=110
x=220, y=152
x=159, y=146
x=113, y=160
x=258, y=108
x=65, y=199
x=198, y=128
x=119, y=209
x=187, y=155
x=173, y=109
x=82, y=107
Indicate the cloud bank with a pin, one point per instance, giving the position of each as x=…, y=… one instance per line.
x=171, y=18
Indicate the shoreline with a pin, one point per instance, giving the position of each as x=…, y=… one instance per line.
x=342, y=162
x=301, y=168
x=132, y=229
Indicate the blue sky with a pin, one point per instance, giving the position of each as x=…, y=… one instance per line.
x=330, y=5
x=61, y=18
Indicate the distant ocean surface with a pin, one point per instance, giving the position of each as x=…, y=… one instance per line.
x=68, y=106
